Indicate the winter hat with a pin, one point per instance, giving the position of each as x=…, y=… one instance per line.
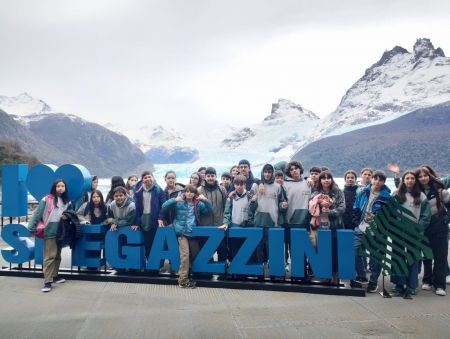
x=210, y=170
x=226, y=175
x=244, y=162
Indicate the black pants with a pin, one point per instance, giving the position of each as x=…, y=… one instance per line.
x=262, y=251
x=149, y=236
x=435, y=273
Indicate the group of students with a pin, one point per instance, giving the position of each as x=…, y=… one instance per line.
x=282, y=197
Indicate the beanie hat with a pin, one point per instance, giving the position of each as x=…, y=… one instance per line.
x=244, y=162
x=210, y=170
x=226, y=175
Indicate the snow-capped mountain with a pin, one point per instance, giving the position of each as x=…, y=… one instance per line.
x=399, y=83
x=23, y=104
x=278, y=135
x=159, y=144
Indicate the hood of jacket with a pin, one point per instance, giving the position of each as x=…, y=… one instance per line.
x=272, y=178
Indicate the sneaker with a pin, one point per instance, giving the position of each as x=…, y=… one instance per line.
x=188, y=284
x=362, y=280
x=412, y=291
x=426, y=287
x=447, y=279
x=441, y=292
x=59, y=280
x=47, y=287
x=355, y=284
x=372, y=287
x=398, y=291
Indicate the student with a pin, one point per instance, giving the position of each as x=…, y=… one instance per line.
x=195, y=179
x=244, y=169
x=331, y=206
x=437, y=231
x=366, y=176
x=298, y=194
x=131, y=184
x=411, y=198
x=313, y=178
x=368, y=203
x=50, y=211
x=149, y=198
x=225, y=180
x=116, y=181
x=172, y=189
x=186, y=209
x=236, y=212
x=87, y=196
x=279, y=179
x=234, y=170
x=94, y=211
x=217, y=196
x=350, y=191
x=265, y=207
x=201, y=171
x=122, y=211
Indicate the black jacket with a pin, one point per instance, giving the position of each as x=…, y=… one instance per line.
x=69, y=230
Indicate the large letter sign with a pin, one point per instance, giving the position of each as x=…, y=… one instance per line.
x=124, y=248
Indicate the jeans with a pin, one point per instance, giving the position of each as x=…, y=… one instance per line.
x=411, y=280
x=360, y=261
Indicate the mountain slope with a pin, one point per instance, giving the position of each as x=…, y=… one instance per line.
x=411, y=140
x=400, y=82
x=104, y=152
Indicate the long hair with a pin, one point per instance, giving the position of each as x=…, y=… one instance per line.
x=116, y=181
x=435, y=185
x=91, y=206
x=402, y=190
x=327, y=174
x=128, y=186
x=64, y=196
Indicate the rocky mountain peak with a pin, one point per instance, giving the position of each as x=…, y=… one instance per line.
x=423, y=48
x=286, y=110
x=23, y=104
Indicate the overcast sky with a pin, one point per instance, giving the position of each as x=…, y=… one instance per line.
x=190, y=61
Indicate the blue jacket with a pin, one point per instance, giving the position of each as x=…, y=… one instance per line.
x=362, y=199
x=158, y=198
x=183, y=220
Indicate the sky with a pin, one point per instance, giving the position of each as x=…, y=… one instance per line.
x=192, y=63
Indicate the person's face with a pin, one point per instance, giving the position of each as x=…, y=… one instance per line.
x=244, y=169
x=279, y=180
x=170, y=180
x=94, y=184
x=326, y=182
x=350, y=179
x=424, y=178
x=60, y=188
x=295, y=172
x=365, y=177
x=409, y=181
x=314, y=176
x=267, y=175
x=377, y=183
x=132, y=181
x=234, y=171
x=189, y=195
x=202, y=174
x=147, y=180
x=239, y=188
x=210, y=178
x=96, y=198
x=225, y=181
x=119, y=197
x=195, y=179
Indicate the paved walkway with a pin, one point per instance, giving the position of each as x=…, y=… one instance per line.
x=80, y=309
